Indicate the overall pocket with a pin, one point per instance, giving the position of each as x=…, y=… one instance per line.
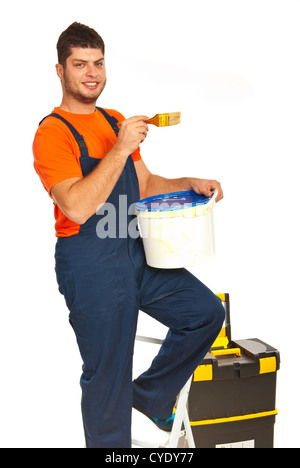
x=98, y=286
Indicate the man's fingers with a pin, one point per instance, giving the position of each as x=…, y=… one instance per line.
x=137, y=118
x=206, y=187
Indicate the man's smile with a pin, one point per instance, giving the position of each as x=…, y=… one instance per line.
x=91, y=84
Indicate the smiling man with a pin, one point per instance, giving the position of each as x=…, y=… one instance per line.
x=85, y=79
x=86, y=156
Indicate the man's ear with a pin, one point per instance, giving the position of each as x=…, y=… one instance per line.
x=59, y=71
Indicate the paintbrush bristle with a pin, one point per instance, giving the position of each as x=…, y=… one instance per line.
x=174, y=118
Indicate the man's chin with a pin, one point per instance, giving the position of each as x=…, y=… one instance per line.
x=90, y=96
x=88, y=99
x=85, y=98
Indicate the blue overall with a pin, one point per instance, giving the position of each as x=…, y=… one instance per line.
x=105, y=282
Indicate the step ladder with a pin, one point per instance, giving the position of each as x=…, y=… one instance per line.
x=145, y=434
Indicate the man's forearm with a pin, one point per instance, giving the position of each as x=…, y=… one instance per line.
x=157, y=185
x=87, y=195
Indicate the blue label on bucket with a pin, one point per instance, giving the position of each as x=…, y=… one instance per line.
x=172, y=201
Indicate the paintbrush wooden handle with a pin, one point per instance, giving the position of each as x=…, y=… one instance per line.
x=153, y=121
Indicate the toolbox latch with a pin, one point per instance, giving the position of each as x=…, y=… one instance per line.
x=268, y=365
x=203, y=373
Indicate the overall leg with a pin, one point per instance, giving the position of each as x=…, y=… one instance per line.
x=104, y=320
x=106, y=380
x=194, y=316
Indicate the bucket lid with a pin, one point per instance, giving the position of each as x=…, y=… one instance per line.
x=172, y=201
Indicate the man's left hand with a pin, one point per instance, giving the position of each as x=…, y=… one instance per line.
x=205, y=187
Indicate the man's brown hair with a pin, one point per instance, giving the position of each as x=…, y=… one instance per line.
x=77, y=35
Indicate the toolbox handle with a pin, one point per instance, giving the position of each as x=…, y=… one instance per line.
x=225, y=352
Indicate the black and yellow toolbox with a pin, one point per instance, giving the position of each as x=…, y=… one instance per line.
x=232, y=396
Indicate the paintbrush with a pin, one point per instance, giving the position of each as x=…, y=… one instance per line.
x=165, y=120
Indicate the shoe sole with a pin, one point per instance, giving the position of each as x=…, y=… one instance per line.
x=152, y=420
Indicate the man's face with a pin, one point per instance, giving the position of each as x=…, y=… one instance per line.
x=84, y=75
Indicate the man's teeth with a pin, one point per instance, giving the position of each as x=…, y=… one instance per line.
x=91, y=84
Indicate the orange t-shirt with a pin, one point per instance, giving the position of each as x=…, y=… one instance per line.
x=56, y=153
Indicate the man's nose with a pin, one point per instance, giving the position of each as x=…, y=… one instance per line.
x=92, y=70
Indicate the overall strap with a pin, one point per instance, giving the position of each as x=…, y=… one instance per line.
x=111, y=120
x=79, y=138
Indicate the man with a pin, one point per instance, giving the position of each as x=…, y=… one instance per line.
x=85, y=157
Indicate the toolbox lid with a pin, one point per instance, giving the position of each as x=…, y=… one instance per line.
x=224, y=336
x=242, y=358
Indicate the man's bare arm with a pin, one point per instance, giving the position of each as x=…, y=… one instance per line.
x=151, y=184
x=80, y=198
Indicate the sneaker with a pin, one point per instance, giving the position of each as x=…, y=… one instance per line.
x=164, y=424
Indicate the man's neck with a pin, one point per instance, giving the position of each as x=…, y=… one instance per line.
x=77, y=107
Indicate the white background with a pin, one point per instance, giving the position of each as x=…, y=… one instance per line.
x=232, y=68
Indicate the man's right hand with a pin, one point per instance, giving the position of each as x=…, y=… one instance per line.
x=133, y=132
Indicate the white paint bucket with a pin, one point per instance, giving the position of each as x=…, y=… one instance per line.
x=177, y=229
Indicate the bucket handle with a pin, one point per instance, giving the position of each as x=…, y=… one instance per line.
x=212, y=200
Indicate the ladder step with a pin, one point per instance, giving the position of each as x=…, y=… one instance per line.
x=143, y=428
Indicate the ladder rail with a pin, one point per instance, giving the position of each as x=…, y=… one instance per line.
x=181, y=415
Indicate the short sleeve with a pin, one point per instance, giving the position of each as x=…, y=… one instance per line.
x=55, y=157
